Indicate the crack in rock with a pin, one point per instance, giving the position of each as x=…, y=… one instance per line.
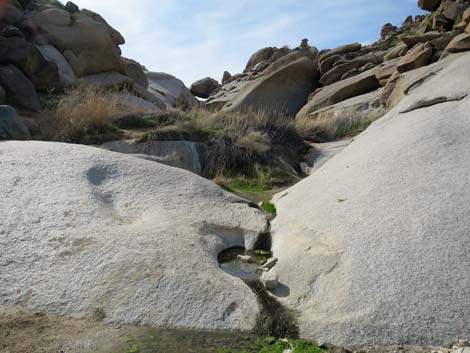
x=433, y=101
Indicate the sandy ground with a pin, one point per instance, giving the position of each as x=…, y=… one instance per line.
x=23, y=331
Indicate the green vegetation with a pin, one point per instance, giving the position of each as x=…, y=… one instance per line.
x=237, y=186
x=269, y=208
x=262, y=252
x=271, y=345
x=263, y=179
x=133, y=347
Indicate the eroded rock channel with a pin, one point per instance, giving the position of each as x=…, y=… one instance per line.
x=256, y=269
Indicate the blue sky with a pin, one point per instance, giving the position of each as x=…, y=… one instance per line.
x=194, y=39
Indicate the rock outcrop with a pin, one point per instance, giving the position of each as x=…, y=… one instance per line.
x=282, y=87
x=205, y=88
x=379, y=233
x=340, y=91
x=46, y=46
x=86, y=231
x=12, y=127
x=169, y=90
x=186, y=155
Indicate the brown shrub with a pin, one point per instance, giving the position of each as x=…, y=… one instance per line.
x=86, y=110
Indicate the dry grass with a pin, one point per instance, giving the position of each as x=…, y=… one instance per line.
x=327, y=126
x=238, y=142
x=86, y=110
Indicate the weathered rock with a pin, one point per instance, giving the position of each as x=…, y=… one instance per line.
x=270, y=280
x=65, y=72
x=226, y=78
x=441, y=23
x=14, y=50
x=20, y=91
x=411, y=41
x=180, y=154
x=340, y=91
x=337, y=72
x=420, y=55
x=170, y=90
x=90, y=40
x=268, y=265
x=11, y=31
x=132, y=104
x=459, y=43
x=396, y=52
x=443, y=41
x=266, y=54
x=11, y=14
x=87, y=230
x=109, y=79
x=385, y=70
x=452, y=9
x=429, y=5
x=205, y=88
x=387, y=29
x=12, y=127
x=327, y=64
x=284, y=87
x=341, y=50
x=396, y=199
x=134, y=70
x=71, y=7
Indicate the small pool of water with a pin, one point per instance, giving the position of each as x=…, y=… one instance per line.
x=231, y=263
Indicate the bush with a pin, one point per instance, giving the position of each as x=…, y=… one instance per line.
x=84, y=114
x=238, y=142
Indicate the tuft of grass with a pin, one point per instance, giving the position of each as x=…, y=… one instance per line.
x=327, y=126
x=235, y=186
x=269, y=208
x=83, y=113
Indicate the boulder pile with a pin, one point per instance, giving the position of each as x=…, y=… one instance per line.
x=303, y=82
x=46, y=46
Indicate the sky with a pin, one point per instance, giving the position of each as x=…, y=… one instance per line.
x=193, y=39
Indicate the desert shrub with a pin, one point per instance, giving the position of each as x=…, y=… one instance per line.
x=85, y=113
x=330, y=127
x=238, y=143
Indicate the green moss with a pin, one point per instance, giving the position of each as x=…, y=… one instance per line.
x=269, y=208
